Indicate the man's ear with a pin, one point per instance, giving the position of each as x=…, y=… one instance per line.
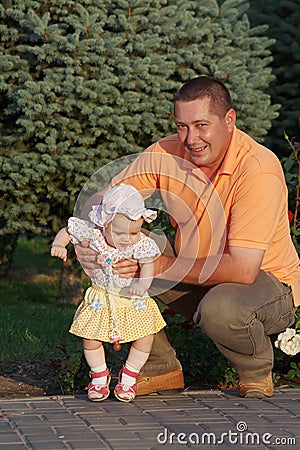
x=230, y=119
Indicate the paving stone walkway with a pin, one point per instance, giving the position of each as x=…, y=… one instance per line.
x=188, y=420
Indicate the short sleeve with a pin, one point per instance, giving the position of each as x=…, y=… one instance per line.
x=258, y=206
x=80, y=230
x=145, y=248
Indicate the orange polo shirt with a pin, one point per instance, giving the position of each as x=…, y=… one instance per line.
x=244, y=206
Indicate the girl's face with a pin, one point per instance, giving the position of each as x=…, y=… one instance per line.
x=122, y=232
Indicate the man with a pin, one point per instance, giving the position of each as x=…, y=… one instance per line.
x=234, y=270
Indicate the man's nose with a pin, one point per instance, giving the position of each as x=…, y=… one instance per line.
x=191, y=137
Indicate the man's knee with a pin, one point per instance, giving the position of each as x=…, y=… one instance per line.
x=219, y=310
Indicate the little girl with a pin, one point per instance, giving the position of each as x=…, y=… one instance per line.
x=115, y=309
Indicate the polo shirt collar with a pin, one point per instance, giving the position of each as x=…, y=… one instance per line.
x=229, y=162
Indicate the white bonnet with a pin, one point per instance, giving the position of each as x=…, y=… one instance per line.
x=123, y=199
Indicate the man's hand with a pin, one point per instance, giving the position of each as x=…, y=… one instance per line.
x=127, y=268
x=87, y=257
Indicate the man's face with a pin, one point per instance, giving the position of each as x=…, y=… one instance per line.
x=204, y=135
x=122, y=232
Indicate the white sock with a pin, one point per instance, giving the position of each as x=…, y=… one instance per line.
x=99, y=380
x=135, y=361
x=127, y=379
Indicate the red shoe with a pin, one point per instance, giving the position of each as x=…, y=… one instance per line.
x=99, y=392
x=123, y=392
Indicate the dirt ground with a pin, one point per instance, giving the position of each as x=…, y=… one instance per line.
x=10, y=388
x=33, y=379
x=24, y=380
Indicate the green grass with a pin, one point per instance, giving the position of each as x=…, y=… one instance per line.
x=32, y=321
x=34, y=326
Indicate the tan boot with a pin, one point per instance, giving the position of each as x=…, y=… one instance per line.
x=257, y=389
x=167, y=381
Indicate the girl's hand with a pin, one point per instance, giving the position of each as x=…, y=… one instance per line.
x=59, y=251
x=139, y=288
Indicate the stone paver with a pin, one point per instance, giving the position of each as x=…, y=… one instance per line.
x=188, y=420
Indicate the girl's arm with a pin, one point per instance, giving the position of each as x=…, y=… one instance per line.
x=145, y=279
x=61, y=240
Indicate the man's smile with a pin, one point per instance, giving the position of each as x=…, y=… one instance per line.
x=197, y=149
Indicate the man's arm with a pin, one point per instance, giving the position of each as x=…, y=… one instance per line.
x=95, y=199
x=85, y=255
x=240, y=265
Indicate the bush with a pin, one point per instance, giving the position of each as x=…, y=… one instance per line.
x=85, y=83
x=203, y=365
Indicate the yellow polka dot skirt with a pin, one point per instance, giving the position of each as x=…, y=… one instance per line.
x=137, y=316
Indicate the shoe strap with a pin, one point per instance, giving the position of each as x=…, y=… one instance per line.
x=129, y=372
x=100, y=374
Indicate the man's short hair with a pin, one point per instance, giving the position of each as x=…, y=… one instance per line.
x=204, y=86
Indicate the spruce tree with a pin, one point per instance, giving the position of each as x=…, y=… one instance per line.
x=283, y=20
x=83, y=83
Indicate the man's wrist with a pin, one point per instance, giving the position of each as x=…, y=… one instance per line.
x=162, y=264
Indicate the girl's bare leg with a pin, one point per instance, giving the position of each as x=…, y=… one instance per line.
x=95, y=358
